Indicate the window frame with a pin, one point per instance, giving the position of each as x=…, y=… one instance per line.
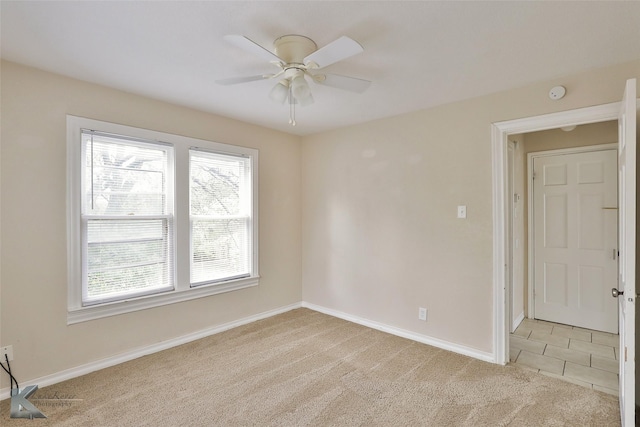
x=167, y=215
x=194, y=152
x=183, y=291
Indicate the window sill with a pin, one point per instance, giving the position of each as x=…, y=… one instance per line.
x=83, y=314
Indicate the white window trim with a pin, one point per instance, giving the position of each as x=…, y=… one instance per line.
x=76, y=312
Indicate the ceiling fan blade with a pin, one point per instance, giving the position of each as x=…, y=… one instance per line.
x=236, y=80
x=342, y=82
x=252, y=47
x=335, y=51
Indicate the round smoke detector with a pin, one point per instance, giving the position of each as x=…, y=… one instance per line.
x=557, y=92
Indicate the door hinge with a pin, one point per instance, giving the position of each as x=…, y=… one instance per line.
x=625, y=353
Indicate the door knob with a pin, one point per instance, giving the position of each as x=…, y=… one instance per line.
x=616, y=293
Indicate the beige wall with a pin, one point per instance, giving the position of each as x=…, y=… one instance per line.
x=380, y=234
x=589, y=134
x=33, y=235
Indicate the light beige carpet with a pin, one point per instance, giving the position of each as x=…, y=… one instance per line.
x=305, y=368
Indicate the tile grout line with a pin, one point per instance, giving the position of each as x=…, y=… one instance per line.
x=564, y=361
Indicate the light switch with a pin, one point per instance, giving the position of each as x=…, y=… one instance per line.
x=462, y=211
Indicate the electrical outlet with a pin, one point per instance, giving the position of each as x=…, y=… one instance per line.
x=8, y=351
x=422, y=314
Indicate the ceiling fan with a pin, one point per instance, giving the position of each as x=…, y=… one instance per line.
x=298, y=57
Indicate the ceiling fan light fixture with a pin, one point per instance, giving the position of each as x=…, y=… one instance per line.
x=280, y=91
x=308, y=100
x=301, y=90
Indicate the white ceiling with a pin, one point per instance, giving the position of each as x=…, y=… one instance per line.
x=418, y=54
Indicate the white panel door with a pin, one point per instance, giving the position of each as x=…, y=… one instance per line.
x=627, y=238
x=575, y=239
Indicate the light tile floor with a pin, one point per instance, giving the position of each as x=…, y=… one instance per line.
x=581, y=356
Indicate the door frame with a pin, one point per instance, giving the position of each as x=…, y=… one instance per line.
x=511, y=154
x=500, y=132
x=531, y=218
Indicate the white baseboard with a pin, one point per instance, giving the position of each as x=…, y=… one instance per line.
x=435, y=342
x=517, y=322
x=143, y=351
x=87, y=368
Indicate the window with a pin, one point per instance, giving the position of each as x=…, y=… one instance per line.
x=127, y=218
x=155, y=218
x=220, y=206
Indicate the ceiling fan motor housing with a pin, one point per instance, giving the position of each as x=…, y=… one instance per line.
x=294, y=48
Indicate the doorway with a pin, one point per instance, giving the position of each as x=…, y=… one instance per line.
x=501, y=134
x=572, y=251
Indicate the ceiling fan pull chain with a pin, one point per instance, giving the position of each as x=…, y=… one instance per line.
x=292, y=108
x=290, y=113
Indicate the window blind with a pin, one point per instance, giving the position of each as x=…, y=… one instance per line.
x=127, y=218
x=220, y=216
